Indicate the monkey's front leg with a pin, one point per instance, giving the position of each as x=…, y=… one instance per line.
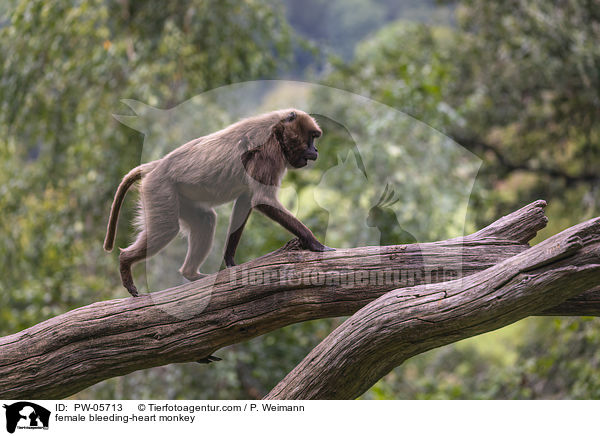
x=239, y=216
x=292, y=224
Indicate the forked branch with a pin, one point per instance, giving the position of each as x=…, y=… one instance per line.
x=65, y=354
x=409, y=321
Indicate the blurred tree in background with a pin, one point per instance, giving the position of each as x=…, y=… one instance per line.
x=515, y=82
x=340, y=24
x=64, y=68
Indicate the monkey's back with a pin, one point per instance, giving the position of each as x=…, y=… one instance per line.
x=209, y=169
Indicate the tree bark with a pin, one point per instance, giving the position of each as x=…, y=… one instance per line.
x=409, y=321
x=65, y=354
x=586, y=304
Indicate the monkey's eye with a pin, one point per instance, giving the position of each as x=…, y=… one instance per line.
x=315, y=134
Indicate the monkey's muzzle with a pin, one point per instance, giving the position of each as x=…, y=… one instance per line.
x=305, y=159
x=311, y=155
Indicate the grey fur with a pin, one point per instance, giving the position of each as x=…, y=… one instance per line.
x=244, y=162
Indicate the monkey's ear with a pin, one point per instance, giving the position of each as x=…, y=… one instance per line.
x=291, y=117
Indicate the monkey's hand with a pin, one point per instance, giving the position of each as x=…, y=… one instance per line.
x=314, y=245
x=128, y=283
x=229, y=262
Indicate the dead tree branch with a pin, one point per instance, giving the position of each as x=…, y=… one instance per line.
x=409, y=321
x=65, y=354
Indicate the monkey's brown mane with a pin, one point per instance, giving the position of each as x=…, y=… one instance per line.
x=265, y=163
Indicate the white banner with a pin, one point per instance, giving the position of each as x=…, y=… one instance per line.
x=43, y=418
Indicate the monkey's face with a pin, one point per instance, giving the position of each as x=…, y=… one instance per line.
x=296, y=134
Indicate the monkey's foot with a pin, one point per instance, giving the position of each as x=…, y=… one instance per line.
x=209, y=359
x=229, y=262
x=192, y=277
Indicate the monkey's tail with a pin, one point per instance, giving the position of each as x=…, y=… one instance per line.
x=132, y=176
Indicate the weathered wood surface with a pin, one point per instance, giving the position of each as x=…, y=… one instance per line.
x=65, y=354
x=585, y=304
x=409, y=321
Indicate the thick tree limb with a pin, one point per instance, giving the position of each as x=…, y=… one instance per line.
x=409, y=321
x=586, y=304
x=65, y=354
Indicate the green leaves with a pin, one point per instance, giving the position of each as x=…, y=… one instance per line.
x=64, y=69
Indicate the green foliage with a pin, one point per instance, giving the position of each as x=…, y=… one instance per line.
x=533, y=100
x=405, y=65
x=553, y=359
x=64, y=68
x=515, y=82
x=338, y=25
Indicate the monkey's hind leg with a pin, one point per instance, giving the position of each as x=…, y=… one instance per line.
x=201, y=223
x=159, y=222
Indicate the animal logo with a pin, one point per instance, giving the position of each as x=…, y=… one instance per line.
x=25, y=414
x=382, y=216
x=375, y=144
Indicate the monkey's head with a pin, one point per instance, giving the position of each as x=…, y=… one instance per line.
x=296, y=134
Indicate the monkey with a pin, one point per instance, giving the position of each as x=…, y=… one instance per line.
x=244, y=162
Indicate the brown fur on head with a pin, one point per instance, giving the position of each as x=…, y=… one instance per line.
x=290, y=144
x=296, y=134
